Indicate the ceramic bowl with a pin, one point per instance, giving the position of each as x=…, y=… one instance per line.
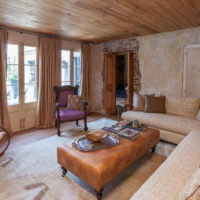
x=95, y=137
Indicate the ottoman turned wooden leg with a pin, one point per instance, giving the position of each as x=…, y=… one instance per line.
x=153, y=149
x=64, y=171
x=99, y=194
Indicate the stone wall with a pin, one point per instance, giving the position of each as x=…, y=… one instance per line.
x=124, y=45
x=161, y=61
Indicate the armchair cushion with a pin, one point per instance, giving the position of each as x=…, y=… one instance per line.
x=70, y=115
x=74, y=102
x=63, y=98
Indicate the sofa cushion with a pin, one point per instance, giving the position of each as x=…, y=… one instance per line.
x=170, y=136
x=154, y=104
x=168, y=122
x=191, y=191
x=168, y=180
x=70, y=115
x=138, y=102
x=187, y=107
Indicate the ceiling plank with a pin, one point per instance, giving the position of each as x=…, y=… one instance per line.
x=99, y=20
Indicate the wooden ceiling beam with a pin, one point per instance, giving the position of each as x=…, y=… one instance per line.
x=99, y=20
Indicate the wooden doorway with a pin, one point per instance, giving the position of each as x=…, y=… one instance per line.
x=110, y=80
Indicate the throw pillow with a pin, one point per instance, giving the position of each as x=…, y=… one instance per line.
x=186, y=107
x=191, y=190
x=138, y=102
x=74, y=102
x=154, y=104
x=198, y=115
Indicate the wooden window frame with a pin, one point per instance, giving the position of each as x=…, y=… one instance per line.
x=71, y=66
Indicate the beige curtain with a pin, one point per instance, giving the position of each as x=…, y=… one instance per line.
x=4, y=117
x=86, y=67
x=49, y=76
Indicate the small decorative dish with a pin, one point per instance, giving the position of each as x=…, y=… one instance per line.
x=95, y=137
x=83, y=144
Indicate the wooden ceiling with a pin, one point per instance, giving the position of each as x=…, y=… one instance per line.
x=99, y=20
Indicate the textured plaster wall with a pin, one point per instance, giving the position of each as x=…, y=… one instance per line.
x=161, y=58
x=161, y=64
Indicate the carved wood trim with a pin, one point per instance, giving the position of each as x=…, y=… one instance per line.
x=58, y=90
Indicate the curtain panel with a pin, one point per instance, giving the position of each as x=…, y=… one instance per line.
x=4, y=116
x=86, y=67
x=49, y=76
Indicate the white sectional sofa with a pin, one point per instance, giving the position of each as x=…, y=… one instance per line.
x=172, y=128
x=180, y=125
x=180, y=118
x=169, y=179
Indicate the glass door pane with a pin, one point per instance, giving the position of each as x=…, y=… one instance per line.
x=65, y=67
x=30, y=74
x=77, y=69
x=12, y=74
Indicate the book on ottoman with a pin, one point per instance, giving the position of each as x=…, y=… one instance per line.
x=128, y=133
x=116, y=127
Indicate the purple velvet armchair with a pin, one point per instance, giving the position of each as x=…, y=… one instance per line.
x=64, y=115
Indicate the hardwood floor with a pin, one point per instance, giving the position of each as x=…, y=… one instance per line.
x=33, y=135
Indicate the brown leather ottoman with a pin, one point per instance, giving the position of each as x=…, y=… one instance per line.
x=97, y=168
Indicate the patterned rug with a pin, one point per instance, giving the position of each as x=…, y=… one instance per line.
x=32, y=173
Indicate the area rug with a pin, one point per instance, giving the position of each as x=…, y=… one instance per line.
x=32, y=173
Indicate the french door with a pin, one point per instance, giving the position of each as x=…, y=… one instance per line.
x=21, y=83
x=110, y=80
x=110, y=83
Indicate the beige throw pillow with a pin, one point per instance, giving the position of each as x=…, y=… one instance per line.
x=138, y=102
x=198, y=115
x=74, y=102
x=191, y=190
x=186, y=107
x=154, y=104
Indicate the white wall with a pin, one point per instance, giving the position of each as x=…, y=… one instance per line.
x=16, y=37
x=29, y=39
x=71, y=45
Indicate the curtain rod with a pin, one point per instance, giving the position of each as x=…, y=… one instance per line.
x=41, y=34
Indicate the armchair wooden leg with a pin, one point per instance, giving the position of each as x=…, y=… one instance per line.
x=76, y=122
x=85, y=124
x=58, y=131
x=58, y=127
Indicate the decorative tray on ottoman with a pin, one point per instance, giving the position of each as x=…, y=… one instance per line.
x=84, y=144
